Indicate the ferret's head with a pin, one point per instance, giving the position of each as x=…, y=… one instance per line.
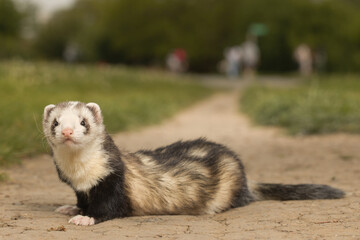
x=72, y=124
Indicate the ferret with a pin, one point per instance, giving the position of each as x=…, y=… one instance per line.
x=187, y=177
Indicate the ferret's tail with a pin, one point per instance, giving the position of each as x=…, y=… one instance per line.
x=284, y=192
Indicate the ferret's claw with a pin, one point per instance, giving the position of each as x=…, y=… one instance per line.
x=82, y=220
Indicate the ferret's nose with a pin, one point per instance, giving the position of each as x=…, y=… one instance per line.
x=67, y=132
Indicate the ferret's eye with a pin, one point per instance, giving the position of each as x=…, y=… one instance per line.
x=55, y=123
x=83, y=123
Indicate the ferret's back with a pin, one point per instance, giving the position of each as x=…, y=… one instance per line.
x=192, y=177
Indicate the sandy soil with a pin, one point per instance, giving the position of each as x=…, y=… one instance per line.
x=28, y=201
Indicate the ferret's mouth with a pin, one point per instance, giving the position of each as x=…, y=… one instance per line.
x=69, y=141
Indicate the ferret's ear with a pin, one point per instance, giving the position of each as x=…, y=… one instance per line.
x=96, y=111
x=47, y=111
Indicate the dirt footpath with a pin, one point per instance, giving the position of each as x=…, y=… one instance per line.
x=28, y=201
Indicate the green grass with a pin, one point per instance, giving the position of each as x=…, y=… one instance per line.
x=321, y=105
x=129, y=98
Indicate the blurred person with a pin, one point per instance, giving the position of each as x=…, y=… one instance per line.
x=320, y=59
x=71, y=53
x=250, y=55
x=303, y=57
x=176, y=61
x=233, y=56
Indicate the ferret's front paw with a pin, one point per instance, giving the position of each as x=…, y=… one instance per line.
x=68, y=210
x=82, y=220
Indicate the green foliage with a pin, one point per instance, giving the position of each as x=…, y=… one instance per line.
x=128, y=97
x=10, y=24
x=323, y=105
x=9, y=18
x=144, y=32
x=16, y=24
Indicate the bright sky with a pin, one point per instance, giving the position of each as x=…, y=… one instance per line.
x=47, y=7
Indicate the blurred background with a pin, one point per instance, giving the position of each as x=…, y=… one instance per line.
x=146, y=32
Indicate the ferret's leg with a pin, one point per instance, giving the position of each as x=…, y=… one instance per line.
x=82, y=202
x=97, y=212
x=68, y=210
x=106, y=201
x=80, y=208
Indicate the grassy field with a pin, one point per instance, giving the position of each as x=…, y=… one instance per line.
x=128, y=97
x=320, y=105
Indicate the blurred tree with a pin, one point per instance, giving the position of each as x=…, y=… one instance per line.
x=17, y=28
x=144, y=32
x=10, y=24
x=10, y=19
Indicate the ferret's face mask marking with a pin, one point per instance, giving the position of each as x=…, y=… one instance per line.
x=72, y=124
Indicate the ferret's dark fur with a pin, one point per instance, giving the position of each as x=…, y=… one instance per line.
x=186, y=177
